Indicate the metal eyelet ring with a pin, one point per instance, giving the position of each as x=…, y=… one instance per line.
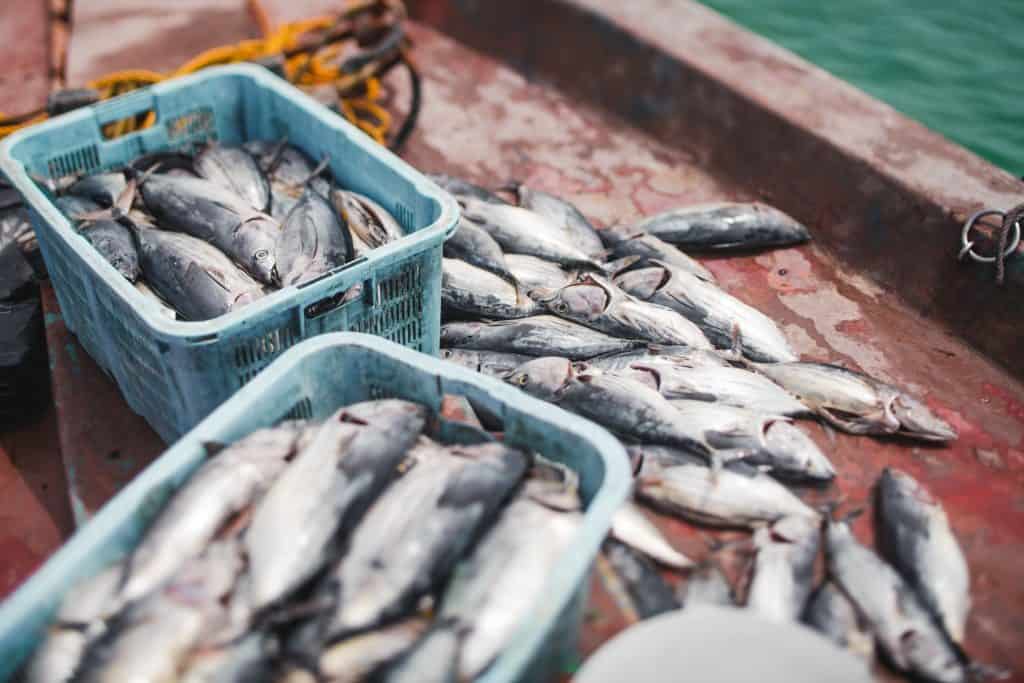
x=968, y=244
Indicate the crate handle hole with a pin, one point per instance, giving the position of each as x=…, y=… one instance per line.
x=129, y=124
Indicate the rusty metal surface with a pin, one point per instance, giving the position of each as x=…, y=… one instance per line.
x=24, y=44
x=881, y=191
x=103, y=443
x=35, y=517
x=34, y=514
x=485, y=121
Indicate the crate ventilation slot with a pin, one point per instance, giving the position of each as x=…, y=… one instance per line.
x=82, y=160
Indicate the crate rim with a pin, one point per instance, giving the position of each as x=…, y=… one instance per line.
x=162, y=327
x=564, y=581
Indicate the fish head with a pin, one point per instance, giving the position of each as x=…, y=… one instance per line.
x=926, y=652
x=917, y=420
x=585, y=299
x=263, y=265
x=787, y=440
x=543, y=378
x=643, y=283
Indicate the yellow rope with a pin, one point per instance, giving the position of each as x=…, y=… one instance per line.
x=317, y=69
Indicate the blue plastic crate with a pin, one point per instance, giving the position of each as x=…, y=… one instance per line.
x=175, y=373
x=313, y=380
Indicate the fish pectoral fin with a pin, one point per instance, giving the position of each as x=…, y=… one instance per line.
x=849, y=422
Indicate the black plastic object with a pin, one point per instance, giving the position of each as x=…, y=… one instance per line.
x=68, y=99
x=24, y=378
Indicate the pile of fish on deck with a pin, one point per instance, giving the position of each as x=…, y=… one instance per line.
x=207, y=234
x=326, y=552
x=621, y=326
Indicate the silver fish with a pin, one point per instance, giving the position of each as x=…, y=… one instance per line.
x=324, y=491
x=209, y=212
x=400, y=507
x=858, y=404
x=354, y=659
x=649, y=456
x=771, y=439
x=521, y=231
x=164, y=309
x=79, y=622
x=722, y=497
x=289, y=171
x=475, y=291
x=617, y=403
x=631, y=526
x=706, y=585
x=193, y=276
x=102, y=188
x=539, y=335
x=314, y=240
x=648, y=591
x=495, y=589
x=247, y=660
x=597, y=303
x=490, y=363
x=434, y=659
x=721, y=316
x=626, y=241
x=462, y=188
x=115, y=243
x=902, y=625
x=915, y=536
x=832, y=614
x=76, y=208
x=428, y=549
x=236, y=170
x=532, y=272
x=565, y=217
x=784, y=568
x=659, y=356
x=725, y=385
x=553, y=485
x=474, y=245
x=150, y=639
x=726, y=225
x=367, y=219
x=221, y=487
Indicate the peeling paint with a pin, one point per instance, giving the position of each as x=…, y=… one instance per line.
x=828, y=310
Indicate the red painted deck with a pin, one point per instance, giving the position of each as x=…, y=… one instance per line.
x=486, y=121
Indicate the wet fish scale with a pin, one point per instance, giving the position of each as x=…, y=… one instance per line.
x=209, y=212
x=902, y=625
x=193, y=276
x=726, y=225
x=915, y=536
x=468, y=289
x=236, y=170
x=719, y=315
x=718, y=498
x=313, y=240
x=626, y=241
x=540, y=335
x=598, y=303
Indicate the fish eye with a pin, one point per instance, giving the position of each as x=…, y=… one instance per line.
x=446, y=353
x=261, y=254
x=522, y=379
x=561, y=307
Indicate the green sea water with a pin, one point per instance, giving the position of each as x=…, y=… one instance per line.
x=958, y=67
